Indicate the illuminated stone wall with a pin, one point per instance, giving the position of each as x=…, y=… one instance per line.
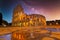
x=37, y=20
x=21, y=19
x=18, y=16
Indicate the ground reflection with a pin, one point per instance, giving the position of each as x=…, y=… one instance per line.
x=37, y=35
x=5, y=37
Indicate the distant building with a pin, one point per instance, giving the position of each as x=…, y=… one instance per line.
x=57, y=22
x=50, y=22
x=9, y=24
x=0, y=18
x=22, y=19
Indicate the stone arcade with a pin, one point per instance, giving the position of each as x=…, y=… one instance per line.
x=21, y=19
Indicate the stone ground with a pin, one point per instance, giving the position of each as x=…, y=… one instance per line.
x=48, y=33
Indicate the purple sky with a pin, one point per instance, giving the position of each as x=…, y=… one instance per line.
x=49, y=8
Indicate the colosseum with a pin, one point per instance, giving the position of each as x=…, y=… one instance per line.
x=22, y=19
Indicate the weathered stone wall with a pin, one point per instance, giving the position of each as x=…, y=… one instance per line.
x=22, y=19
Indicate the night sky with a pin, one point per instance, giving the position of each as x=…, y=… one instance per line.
x=49, y=8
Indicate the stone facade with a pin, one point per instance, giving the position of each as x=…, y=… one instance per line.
x=22, y=19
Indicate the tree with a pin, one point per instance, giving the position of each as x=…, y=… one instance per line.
x=4, y=23
x=0, y=18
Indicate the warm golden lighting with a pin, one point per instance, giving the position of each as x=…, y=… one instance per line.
x=22, y=19
x=17, y=36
